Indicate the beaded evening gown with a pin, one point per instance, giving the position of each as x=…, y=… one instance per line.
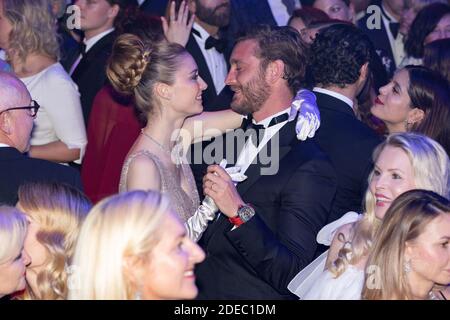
x=184, y=203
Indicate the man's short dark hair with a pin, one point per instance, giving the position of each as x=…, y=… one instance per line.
x=280, y=43
x=337, y=55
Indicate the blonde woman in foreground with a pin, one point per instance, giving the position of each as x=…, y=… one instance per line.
x=55, y=213
x=132, y=246
x=410, y=259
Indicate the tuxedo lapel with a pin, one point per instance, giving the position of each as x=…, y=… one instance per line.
x=97, y=48
x=275, y=150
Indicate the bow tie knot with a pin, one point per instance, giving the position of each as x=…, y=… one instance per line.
x=82, y=48
x=218, y=44
x=257, y=131
x=394, y=27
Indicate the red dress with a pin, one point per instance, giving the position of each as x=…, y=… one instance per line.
x=113, y=127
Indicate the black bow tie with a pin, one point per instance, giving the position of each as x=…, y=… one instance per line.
x=219, y=44
x=394, y=27
x=257, y=130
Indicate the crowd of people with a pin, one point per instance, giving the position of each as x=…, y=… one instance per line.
x=224, y=149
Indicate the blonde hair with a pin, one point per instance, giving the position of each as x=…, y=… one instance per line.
x=59, y=210
x=33, y=28
x=136, y=66
x=13, y=229
x=404, y=221
x=431, y=167
x=120, y=226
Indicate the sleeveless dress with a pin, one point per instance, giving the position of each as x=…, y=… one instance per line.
x=184, y=204
x=316, y=283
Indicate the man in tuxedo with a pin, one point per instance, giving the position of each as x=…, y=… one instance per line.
x=17, y=112
x=88, y=66
x=340, y=63
x=210, y=51
x=266, y=232
x=388, y=41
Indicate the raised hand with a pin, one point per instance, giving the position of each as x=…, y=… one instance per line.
x=178, y=28
x=308, y=120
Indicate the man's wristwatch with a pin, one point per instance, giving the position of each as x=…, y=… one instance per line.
x=244, y=213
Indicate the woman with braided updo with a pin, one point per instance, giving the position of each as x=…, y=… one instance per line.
x=164, y=81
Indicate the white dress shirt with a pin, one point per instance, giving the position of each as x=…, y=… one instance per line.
x=335, y=95
x=249, y=151
x=279, y=11
x=215, y=61
x=397, y=45
x=89, y=44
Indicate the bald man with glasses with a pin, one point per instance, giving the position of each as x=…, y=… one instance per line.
x=17, y=112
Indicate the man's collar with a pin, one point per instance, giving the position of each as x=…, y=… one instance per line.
x=335, y=95
x=92, y=41
x=201, y=33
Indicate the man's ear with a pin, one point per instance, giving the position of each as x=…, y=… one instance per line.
x=352, y=12
x=163, y=91
x=364, y=71
x=6, y=124
x=113, y=11
x=275, y=71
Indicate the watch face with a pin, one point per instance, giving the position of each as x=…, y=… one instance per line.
x=245, y=213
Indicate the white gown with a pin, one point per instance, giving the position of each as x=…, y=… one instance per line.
x=316, y=283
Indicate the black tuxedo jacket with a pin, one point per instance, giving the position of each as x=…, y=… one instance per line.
x=211, y=100
x=17, y=169
x=380, y=40
x=258, y=259
x=90, y=74
x=349, y=143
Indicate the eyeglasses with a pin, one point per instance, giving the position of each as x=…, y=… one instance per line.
x=33, y=109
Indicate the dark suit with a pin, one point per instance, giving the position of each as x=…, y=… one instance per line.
x=211, y=100
x=247, y=13
x=349, y=143
x=17, y=169
x=90, y=74
x=155, y=7
x=380, y=40
x=259, y=258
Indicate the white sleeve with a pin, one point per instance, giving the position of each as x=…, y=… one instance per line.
x=63, y=107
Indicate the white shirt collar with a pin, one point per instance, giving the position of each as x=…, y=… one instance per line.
x=4, y=145
x=203, y=33
x=335, y=94
x=388, y=15
x=265, y=122
x=90, y=43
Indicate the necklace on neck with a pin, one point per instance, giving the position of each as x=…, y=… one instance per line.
x=160, y=146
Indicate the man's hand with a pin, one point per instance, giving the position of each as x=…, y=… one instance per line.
x=220, y=187
x=308, y=120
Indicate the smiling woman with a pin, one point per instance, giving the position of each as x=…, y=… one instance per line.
x=403, y=162
x=417, y=100
x=146, y=253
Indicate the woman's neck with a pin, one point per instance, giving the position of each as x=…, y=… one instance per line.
x=33, y=64
x=396, y=128
x=164, y=130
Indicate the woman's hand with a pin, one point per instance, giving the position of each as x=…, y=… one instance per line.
x=218, y=185
x=178, y=28
x=308, y=121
